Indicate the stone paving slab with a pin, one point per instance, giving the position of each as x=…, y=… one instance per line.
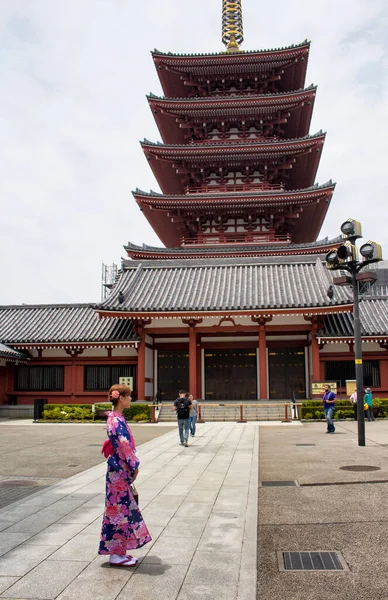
x=200, y=504
x=335, y=510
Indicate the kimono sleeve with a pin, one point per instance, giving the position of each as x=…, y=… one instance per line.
x=123, y=444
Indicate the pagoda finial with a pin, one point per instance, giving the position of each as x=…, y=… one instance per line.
x=232, y=25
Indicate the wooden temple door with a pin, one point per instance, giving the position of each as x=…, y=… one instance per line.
x=231, y=374
x=173, y=373
x=286, y=373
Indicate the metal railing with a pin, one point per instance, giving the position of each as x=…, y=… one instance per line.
x=289, y=413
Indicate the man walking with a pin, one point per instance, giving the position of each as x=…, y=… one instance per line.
x=182, y=405
x=329, y=400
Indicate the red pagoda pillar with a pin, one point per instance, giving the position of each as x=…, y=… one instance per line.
x=193, y=361
x=263, y=363
x=193, y=355
x=315, y=361
x=141, y=360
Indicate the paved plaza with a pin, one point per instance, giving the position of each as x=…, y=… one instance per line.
x=217, y=525
x=198, y=502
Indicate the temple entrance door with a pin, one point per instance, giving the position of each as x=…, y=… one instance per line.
x=231, y=374
x=173, y=373
x=286, y=368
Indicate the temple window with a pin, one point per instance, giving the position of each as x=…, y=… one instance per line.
x=342, y=370
x=39, y=379
x=101, y=377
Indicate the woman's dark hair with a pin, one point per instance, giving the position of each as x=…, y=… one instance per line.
x=122, y=389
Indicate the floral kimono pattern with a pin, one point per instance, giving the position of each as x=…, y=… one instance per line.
x=123, y=527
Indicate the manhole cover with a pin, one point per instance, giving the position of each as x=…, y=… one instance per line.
x=278, y=483
x=72, y=465
x=311, y=561
x=360, y=468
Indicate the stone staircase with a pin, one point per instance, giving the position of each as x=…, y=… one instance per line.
x=231, y=411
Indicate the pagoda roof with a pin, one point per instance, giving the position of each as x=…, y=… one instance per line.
x=61, y=325
x=313, y=203
x=223, y=286
x=320, y=247
x=373, y=321
x=292, y=59
x=174, y=115
x=166, y=160
x=9, y=354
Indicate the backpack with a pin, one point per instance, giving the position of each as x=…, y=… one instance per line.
x=182, y=409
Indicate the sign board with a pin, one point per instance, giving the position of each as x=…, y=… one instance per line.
x=318, y=387
x=128, y=381
x=351, y=386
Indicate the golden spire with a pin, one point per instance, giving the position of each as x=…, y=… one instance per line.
x=232, y=25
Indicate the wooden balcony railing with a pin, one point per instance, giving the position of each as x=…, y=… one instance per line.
x=261, y=239
x=239, y=187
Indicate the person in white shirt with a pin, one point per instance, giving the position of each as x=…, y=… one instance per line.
x=353, y=398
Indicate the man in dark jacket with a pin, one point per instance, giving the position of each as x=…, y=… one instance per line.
x=182, y=407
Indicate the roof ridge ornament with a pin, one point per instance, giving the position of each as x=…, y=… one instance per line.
x=232, y=25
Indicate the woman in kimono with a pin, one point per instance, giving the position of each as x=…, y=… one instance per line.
x=123, y=527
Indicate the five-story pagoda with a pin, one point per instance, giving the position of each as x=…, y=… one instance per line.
x=237, y=165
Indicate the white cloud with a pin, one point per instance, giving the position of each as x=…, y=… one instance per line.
x=74, y=78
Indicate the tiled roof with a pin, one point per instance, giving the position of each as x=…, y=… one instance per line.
x=225, y=248
x=246, y=194
x=67, y=323
x=9, y=353
x=222, y=285
x=209, y=148
x=373, y=319
x=216, y=99
x=242, y=54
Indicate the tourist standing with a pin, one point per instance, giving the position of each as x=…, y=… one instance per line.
x=353, y=399
x=193, y=414
x=329, y=400
x=123, y=527
x=368, y=400
x=182, y=406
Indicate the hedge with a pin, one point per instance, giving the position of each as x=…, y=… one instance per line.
x=83, y=412
x=313, y=409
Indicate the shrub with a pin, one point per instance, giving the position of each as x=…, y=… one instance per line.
x=67, y=412
x=319, y=414
x=343, y=409
x=140, y=417
x=137, y=409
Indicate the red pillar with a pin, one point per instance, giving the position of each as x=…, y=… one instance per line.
x=263, y=363
x=141, y=365
x=193, y=361
x=315, y=361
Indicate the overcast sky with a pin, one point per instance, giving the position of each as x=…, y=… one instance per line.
x=74, y=75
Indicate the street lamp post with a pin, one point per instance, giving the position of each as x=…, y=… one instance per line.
x=346, y=258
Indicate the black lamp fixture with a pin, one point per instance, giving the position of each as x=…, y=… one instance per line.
x=347, y=258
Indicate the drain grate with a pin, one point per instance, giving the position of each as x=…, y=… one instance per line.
x=305, y=444
x=311, y=561
x=279, y=484
x=360, y=468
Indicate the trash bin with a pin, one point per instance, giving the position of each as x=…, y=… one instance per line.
x=38, y=408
